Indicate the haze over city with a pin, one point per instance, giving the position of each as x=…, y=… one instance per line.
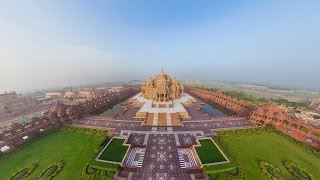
x=159, y=90
x=64, y=43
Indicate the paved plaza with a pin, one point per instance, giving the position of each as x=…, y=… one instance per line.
x=161, y=160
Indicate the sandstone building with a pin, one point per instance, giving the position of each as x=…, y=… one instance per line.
x=162, y=88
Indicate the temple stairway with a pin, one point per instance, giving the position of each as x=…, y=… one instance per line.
x=155, y=119
x=163, y=119
x=149, y=120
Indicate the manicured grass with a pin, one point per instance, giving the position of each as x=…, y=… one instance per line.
x=115, y=151
x=247, y=150
x=76, y=149
x=208, y=152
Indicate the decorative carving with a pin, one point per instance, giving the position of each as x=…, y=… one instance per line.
x=162, y=88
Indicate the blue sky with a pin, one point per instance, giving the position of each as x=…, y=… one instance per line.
x=61, y=43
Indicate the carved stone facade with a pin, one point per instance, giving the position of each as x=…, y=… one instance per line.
x=162, y=88
x=239, y=107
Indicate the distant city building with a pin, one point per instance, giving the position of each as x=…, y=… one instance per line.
x=54, y=95
x=86, y=94
x=70, y=94
x=10, y=102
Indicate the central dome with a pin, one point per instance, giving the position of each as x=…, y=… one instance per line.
x=162, y=88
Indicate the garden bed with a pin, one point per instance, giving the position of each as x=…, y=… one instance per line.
x=23, y=173
x=270, y=170
x=52, y=170
x=298, y=171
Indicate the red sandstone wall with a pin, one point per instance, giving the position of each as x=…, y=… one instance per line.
x=238, y=106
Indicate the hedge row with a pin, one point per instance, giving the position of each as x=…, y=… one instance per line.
x=247, y=132
x=88, y=131
x=91, y=173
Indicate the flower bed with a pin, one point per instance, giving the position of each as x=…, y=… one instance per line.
x=23, y=173
x=270, y=170
x=52, y=171
x=298, y=171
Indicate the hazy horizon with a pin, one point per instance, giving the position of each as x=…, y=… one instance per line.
x=58, y=43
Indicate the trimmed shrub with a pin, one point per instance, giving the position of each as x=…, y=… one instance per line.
x=91, y=173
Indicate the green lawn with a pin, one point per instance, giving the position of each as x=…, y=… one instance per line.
x=208, y=152
x=76, y=149
x=115, y=151
x=247, y=150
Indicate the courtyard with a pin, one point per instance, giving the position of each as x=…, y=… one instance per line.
x=161, y=160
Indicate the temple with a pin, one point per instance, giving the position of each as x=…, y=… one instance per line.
x=162, y=88
x=161, y=101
